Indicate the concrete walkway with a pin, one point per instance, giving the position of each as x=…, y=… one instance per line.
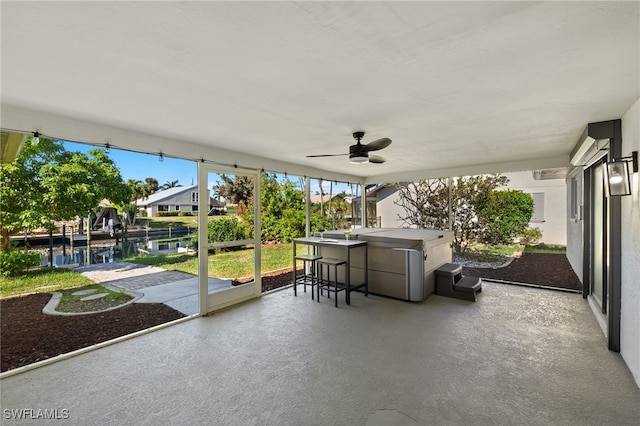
x=178, y=290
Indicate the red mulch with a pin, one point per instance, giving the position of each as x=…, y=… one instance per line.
x=27, y=335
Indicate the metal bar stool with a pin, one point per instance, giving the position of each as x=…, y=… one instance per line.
x=306, y=278
x=337, y=287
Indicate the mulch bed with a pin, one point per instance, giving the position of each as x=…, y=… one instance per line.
x=28, y=335
x=543, y=269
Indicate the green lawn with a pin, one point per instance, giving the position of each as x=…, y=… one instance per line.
x=42, y=281
x=232, y=264
x=172, y=221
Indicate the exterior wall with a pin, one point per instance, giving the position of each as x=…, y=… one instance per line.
x=575, y=224
x=630, y=280
x=387, y=210
x=182, y=200
x=554, y=225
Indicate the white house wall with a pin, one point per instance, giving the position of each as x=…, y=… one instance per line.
x=574, y=225
x=387, y=209
x=554, y=225
x=630, y=279
x=183, y=200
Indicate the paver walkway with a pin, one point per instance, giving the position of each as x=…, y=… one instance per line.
x=131, y=276
x=176, y=289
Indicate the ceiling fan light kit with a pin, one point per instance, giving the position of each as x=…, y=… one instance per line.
x=359, y=154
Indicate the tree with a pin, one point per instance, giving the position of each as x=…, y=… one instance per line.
x=169, y=185
x=135, y=190
x=426, y=205
x=152, y=185
x=505, y=216
x=47, y=183
x=238, y=190
x=282, y=209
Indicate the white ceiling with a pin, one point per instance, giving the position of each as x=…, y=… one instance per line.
x=460, y=87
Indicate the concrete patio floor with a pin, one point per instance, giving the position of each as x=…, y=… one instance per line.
x=517, y=356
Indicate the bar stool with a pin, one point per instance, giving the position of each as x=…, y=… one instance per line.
x=306, y=278
x=329, y=262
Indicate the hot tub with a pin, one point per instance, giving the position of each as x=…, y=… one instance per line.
x=401, y=262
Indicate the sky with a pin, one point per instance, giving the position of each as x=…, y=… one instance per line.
x=137, y=166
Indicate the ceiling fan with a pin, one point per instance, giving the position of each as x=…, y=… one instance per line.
x=359, y=153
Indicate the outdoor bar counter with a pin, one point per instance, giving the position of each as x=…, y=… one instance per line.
x=401, y=262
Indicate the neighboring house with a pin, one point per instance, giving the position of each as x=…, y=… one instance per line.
x=178, y=199
x=217, y=207
x=317, y=198
x=547, y=187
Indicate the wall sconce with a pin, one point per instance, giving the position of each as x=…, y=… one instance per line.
x=617, y=174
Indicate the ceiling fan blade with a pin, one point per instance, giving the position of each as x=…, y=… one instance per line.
x=325, y=155
x=377, y=144
x=376, y=159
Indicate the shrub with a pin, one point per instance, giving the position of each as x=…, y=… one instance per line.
x=15, y=262
x=505, y=215
x=168, y=214
x=530, y=236
x=185, y=213
x=227, y=229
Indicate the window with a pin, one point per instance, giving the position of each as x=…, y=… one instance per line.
x=538, y=207
x=194, y=197
x=194, y=208
x=163, y=208
x=573, y=193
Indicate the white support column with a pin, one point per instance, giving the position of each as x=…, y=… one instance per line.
x=363, y=206
x=257, y=226
x=450, y=205
x=203, y=237
x=307, y=195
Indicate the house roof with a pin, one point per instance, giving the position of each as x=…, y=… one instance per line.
x=166, y=194
x=460, y=87
x=317, y=198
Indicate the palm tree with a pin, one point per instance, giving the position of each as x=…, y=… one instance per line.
x=137, y=190
x=172, y=184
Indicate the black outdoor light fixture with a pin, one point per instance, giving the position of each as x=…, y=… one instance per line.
x=618, y=174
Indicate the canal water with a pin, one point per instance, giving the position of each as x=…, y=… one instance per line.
x=109, y=251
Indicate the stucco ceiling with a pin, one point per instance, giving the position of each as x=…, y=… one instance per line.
x=458, y=86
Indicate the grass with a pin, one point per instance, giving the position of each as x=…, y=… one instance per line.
x=171, y=221
x=232, y=264
x=507, y=250
x=71, y=303
x=42, y=281
x=161, y=222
